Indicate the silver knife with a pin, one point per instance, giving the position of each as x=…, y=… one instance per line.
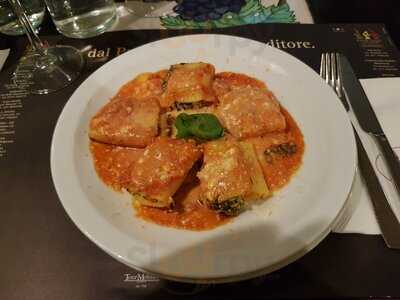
x=387, y=220
x=367, y=119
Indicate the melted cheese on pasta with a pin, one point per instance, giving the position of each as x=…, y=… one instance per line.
x=224, y=174
x=126, y=122
x=145, y=85
x=249, y=112
x=161, y=169
x=188, y=83
x=224, y=82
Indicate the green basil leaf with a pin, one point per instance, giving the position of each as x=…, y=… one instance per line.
x=201, y=126
x=182, y=124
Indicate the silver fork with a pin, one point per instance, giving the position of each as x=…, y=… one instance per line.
x=390, y=226
x=331, y=71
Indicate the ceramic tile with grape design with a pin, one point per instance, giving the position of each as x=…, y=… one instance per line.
x=226, y=13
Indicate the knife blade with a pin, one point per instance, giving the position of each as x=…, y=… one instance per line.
x=387, y=220
x=367, y=118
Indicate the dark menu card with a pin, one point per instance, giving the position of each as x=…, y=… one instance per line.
x=44, y=256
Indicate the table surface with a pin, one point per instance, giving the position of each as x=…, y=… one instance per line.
x=37, y=266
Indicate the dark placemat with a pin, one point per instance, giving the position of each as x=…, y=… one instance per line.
x=44, y=256
x=358, y=11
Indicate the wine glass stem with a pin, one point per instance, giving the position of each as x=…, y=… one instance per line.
x=34, y=39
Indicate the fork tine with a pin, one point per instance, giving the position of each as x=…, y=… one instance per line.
x=338, y=84
x=322, y=70
x=339, y=72
x=328, y=68
x=333, y=70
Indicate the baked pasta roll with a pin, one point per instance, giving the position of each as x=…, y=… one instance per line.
x=145, y=85
x=224, y=178
x=126, y=122
x=249, y=112
x=224, y=82
x=189, y=84
x=158, y=173
x=259, y=188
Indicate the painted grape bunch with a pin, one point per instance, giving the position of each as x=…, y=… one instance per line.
x=207, y=14
x=204, y=10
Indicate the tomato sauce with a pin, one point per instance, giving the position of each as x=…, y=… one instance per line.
x=187, y=213
x=112, y=162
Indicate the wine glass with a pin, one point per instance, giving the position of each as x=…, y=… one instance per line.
x=9, y=24
x=44, y=69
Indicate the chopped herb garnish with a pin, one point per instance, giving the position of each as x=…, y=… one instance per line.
x=229, y=207
x=281, y=150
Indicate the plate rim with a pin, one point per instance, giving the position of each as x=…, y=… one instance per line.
x=263, y=270
x=256, y=273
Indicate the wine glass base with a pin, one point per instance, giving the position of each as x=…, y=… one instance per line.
x=48, y=73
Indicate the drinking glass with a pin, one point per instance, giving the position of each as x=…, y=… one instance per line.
x=9, y=23
x=82, y=18
x=44, y=69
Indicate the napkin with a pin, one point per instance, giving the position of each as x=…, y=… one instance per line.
x=358, y=216
x=3, y=56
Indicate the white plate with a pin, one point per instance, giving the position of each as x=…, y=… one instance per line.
x=259, y=241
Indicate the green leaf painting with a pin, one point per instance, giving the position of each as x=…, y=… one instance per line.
x=251, y=13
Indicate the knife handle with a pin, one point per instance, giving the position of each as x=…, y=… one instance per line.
x=392, y=160
x=387, y=220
